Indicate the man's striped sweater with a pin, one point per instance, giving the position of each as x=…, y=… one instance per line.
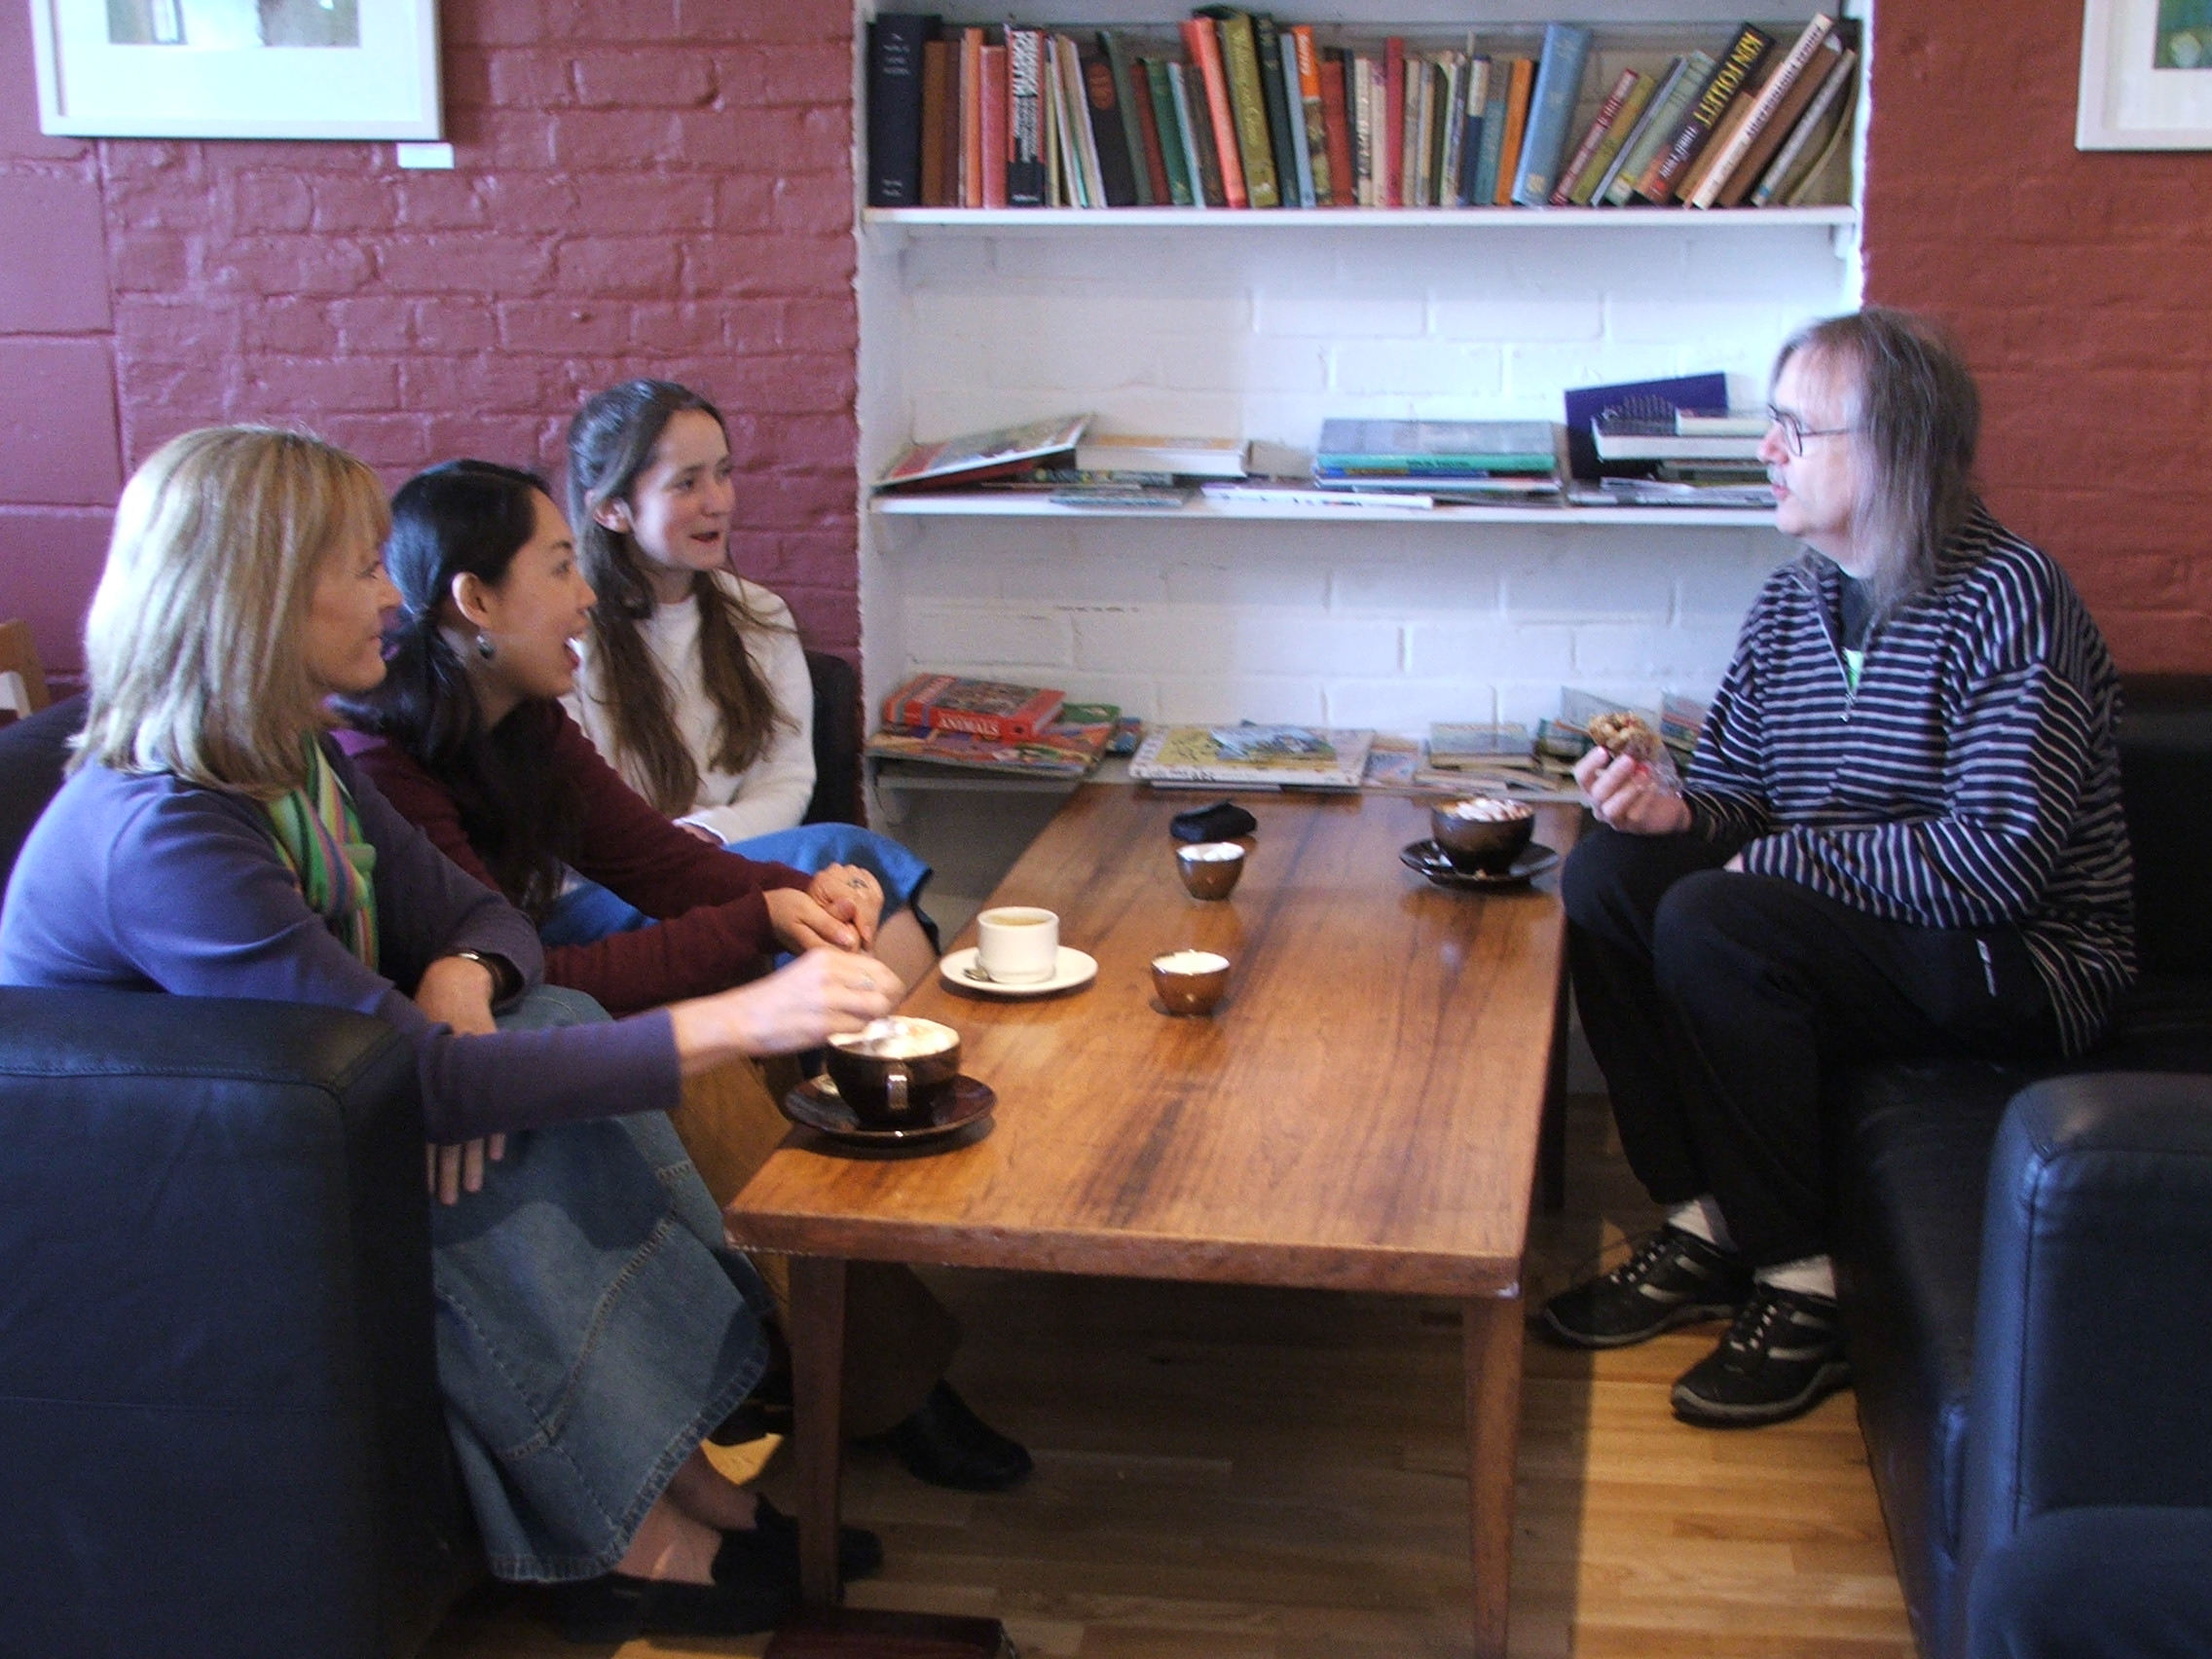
x=1971, y=780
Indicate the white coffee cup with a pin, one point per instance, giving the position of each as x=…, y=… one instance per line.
x=1018, y=945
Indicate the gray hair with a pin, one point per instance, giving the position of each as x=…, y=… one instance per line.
x=195, y=641
x=1916, y=422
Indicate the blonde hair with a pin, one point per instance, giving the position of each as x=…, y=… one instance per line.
x=194, y=644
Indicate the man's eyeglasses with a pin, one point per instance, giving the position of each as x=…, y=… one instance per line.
x=1794, y=431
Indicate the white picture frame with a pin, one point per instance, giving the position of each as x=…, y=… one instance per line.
x=2127, y=100
x=341, y=69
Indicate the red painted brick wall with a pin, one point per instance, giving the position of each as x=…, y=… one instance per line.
x=2077, y=281
x=655, y=187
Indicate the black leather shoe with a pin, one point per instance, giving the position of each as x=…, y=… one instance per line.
x=945, y=1444
x=617, y=1608
x=774, y=1536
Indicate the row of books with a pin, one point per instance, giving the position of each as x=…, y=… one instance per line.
x=994, y=726
x=1241, y=112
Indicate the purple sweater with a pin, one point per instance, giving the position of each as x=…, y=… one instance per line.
x=139, y=882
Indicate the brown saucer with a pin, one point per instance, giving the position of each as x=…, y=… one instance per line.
x=1426, y=858
x=813, y=1106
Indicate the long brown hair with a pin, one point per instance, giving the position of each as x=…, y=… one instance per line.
x=611, y=441
x=1917, y=423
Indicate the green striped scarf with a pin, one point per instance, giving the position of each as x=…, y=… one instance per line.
x=320, y=834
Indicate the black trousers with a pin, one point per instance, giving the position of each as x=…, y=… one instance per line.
x=2097, y=1584
x=1717, y=1002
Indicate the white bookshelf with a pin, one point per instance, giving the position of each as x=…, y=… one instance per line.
x=1259, y=325
x=1200, y=510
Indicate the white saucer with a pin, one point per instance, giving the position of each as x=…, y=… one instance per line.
x=1072, y=969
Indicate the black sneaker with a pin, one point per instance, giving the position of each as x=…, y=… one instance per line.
x=1782, y=1357
x=1674, y=1278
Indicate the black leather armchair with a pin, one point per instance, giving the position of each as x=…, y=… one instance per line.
x=2022, y=1261
x=218, y=1394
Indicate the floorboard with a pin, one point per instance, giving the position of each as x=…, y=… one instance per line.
x=1237, y=1474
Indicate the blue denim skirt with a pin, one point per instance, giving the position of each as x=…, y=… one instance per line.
x=591, y=1329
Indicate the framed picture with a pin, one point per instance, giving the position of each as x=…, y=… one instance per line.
x=236, y=68
x=2146, y=76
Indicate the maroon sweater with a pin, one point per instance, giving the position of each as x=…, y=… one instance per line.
x=715, y=931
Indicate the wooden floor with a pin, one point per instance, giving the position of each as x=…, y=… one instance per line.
x=1235, y=1474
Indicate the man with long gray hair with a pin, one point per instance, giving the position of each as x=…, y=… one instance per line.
x=1900, y=836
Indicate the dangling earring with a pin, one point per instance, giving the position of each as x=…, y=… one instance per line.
x=484, y=647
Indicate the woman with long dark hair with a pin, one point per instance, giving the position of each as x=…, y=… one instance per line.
x=693, y=685
x=465, y=737
x=211, y=842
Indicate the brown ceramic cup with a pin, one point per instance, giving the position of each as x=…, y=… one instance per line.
x=1210, y=869
x=1190, y=981
x=898, y=1078
x=1481, y=833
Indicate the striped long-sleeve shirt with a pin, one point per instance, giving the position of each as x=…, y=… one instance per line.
x=1972, y=779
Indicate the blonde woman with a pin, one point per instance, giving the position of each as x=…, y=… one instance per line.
x=211, y=842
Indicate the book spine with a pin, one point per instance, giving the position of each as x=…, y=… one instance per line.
x=1563, y=193
x=895, y=41
x=1139, y=94
x=997, y=121
x=1205, y=57
x=1829, y=168
x=1281, y=98
x=1794, y=147
x=908, y=706
x=1496, y=96
x=1060, y=188
x=999, y=728
x=1108, y=136
x=1740, y=109
x=937, y=106
x=1742, y=60
x=1025, y=117
x=1659, y=125
x=1412, y=149
x=1583, y=189
x=1247, y=101
x=1131, y=139
x=971, y=117
x=1786, y=114
x=1205, y=176
x=1515, y=127
x=1471, y=140
x=1363, y=99
x=1164, y=133
x=1313, y=108
x=1082, y=147
x=1335, y=122
x=1390, y=134
x=1300, y=149
x=1773, y=97
x=1559, y=83
x=1454, y=138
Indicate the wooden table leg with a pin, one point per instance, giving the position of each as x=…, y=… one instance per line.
x=1494, y=1329
x=818, y=1374
x=1551, y=1149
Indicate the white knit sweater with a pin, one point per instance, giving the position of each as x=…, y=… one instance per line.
x=770, y=795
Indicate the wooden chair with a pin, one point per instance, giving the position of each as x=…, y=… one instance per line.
x=23, y=680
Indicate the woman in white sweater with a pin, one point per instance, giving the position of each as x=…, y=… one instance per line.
x=693, y=683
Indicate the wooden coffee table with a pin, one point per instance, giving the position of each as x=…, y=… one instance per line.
x=1364, y=1112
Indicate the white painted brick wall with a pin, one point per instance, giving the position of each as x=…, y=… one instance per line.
x=1262, y=334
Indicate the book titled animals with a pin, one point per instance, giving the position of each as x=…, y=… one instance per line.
x=985, y=708
x=1244, y=111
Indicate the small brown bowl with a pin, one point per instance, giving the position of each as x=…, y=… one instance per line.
x=1190, y=981
x=1488, y=844
x=1210, y=869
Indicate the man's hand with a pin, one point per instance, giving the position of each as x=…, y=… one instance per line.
x=802, y=924
x=852, y=894
x=457, y=992
x=1627, y=795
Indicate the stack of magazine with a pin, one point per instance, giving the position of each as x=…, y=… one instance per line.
x=1440, y=462
x=1261, y=756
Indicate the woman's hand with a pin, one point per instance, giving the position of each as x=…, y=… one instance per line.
x=802, y=923
x=1627, y=795
x=702, y=832
x=457, y=992
x=852, y=894
x=794, y=1009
